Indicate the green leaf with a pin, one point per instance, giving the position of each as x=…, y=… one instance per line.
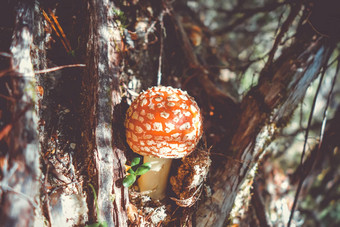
x=143, y=168
x=129, y=180
x=95, y=198
x=94, y=225
x=131, y=171
x=135, y=161
x=147, y=164
x=98, y=224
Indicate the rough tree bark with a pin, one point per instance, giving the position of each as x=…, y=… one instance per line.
x=102, y=79
x=20, y=170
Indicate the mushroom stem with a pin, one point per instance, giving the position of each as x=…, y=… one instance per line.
x=154, y=182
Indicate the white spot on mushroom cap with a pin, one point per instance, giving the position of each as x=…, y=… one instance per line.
x=193, y=108
x=129, y=112
x=185, y=126
x=150, y=116
x=131, y=126
x=157, y=126
x=184, y=106
x=183, y=97
x=169, y=127
x=147, y=126
x=151, y=105
x=177, y=139
x=180, y=149
x=174, y=145
x=171, y=104
x=139, y=129
x=141, y=119
x=135, y=115
x=142, y=112
x=160, y=105
x=177, y=112
x=196, y=119
x=158, y=99
x=134, y=137
x=159, y=138
x=165, y=149
x=147, y=137
x=164, y=115
x=175, y=135
x=199, y=125
x=135, y=148
x=150, y=142
x=144, y=102
x=186, y=113
x=190, y=136
x=172, y=98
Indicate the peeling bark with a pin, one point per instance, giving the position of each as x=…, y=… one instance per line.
x=20, y=171
x=103, y=63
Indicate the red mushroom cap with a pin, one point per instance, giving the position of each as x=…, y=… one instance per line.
x=164, y=122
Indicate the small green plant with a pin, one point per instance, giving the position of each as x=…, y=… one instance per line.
x=121, y=17
x=136, y=170
x=99, y=223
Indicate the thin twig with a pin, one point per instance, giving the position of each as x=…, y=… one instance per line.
x=69, y=48
x=304, y=172
x=54, y=28
x=304, y=147
x=5, y=72
x=284, y=28
x=159, y=73
x=324, y=118
x=46, y=198
x=311, y=115
x=58, y=68
x=5, y=54
x=11, y=99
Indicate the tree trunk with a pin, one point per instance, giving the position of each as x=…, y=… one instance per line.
x=20, y=170
x=102, y=79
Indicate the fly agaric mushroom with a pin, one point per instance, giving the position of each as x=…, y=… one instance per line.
x=162, y=123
